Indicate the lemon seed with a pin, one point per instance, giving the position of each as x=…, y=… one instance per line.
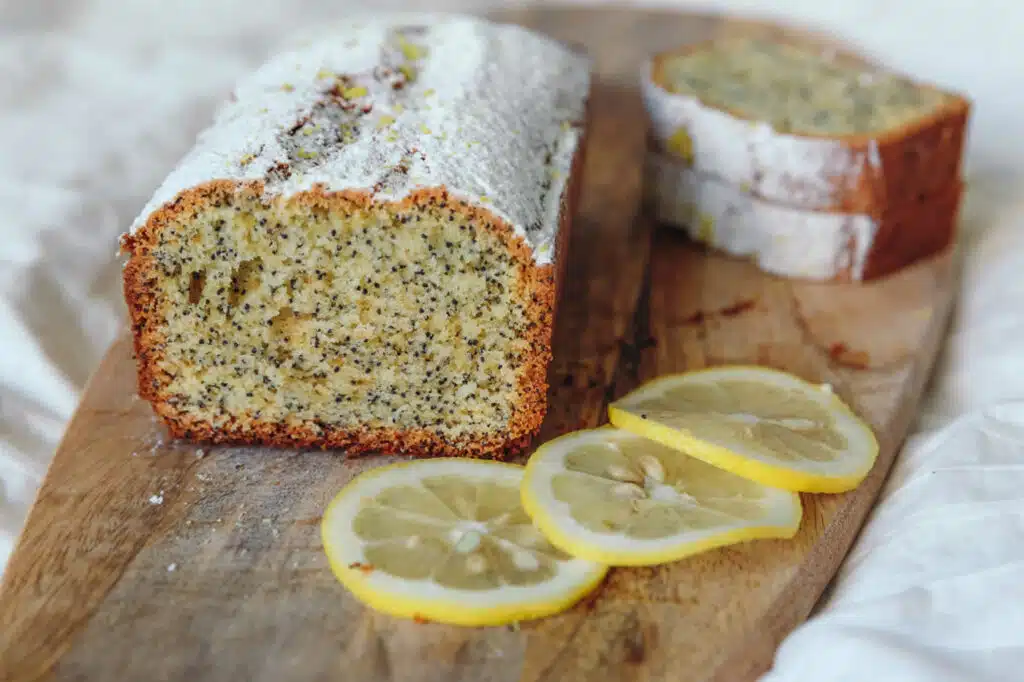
x=621, y=473
x=652, y=468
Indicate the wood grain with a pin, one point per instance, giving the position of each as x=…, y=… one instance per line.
x=145, y=559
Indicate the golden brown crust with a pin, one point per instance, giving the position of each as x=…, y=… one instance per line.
x=920, y=158
x=920, y=161
x=537, y=286
x=416, y=442
x=920, y=227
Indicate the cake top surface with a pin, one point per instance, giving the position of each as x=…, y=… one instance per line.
x=396, y=103
x=797, y=89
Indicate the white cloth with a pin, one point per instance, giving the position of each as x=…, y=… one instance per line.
x=98, y=98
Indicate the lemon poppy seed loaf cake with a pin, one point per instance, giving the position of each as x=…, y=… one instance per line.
x=809, y=128
x=795, y=242
x=363, y=250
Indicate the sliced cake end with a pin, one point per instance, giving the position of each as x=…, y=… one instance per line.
x=811, y=128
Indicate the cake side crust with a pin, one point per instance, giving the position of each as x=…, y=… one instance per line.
x=855, y=173
x=792, y=242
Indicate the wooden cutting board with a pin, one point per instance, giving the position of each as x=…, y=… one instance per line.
x=146, y=559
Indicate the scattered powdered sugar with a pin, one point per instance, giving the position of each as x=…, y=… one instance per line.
x=492, y=112
x=155, y=439
x=171, y=568
x=157, y=499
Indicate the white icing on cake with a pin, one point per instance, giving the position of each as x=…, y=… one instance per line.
x=780, y=239
x=806, y=172
x=492, y=112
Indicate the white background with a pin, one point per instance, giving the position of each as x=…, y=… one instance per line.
x=98, y=99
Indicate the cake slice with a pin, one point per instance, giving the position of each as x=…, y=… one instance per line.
x=364, y=249
x=802, y=127
x=794, y=242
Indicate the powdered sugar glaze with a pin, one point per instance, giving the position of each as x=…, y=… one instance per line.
x=792, y=242
x=492, y=112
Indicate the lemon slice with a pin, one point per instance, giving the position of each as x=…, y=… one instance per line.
x=447, y=540
x=611, y=496
x=760, y=423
